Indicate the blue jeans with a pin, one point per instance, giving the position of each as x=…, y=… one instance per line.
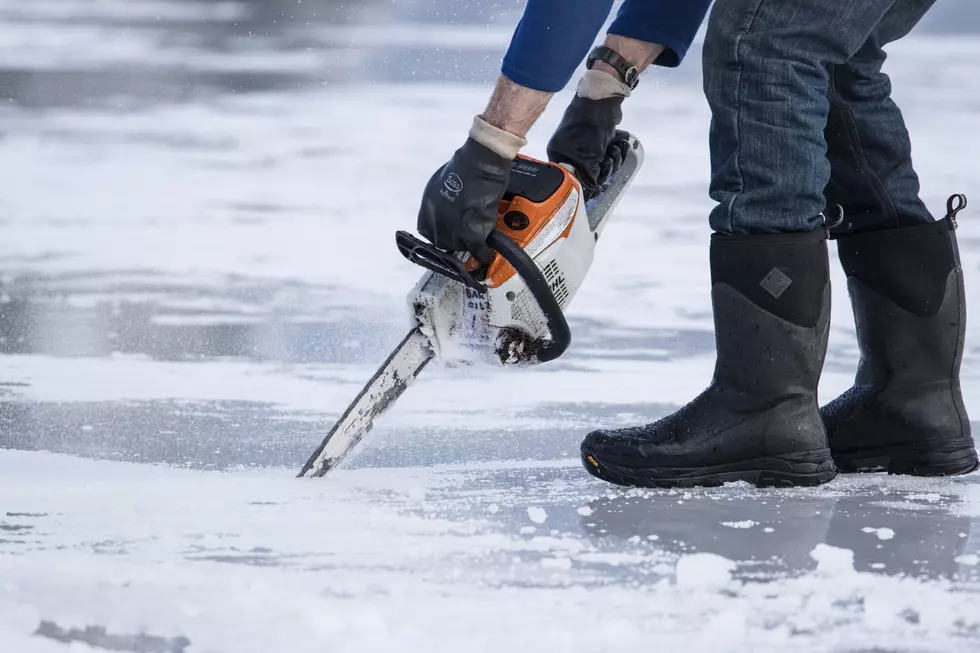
x=802, y=115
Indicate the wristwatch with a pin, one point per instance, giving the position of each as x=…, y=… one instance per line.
x=628, y=73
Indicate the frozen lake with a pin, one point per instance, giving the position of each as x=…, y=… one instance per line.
x=197, y=274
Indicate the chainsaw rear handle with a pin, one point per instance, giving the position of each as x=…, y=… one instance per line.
x=432, y=258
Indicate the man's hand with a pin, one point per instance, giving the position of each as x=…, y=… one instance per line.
x=586, y=140
x=459, y=204
x=587, y=137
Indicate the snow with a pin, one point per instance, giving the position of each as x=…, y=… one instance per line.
x=747, y=523
x=930, y=496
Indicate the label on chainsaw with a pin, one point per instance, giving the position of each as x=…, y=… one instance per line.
x=555, y=227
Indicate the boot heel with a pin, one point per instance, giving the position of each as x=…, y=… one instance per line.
x=907, y=461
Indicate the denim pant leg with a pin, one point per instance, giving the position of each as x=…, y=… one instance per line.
x=766, y=82
x=871, y=173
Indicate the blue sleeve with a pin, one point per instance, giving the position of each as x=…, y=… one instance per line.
x=671, y=23
x=554, y=36
x=551, y=41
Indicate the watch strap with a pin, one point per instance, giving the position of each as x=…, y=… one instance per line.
x=627, y=72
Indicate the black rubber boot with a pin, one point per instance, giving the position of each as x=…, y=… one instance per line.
x=759, y=420
x=905, y=413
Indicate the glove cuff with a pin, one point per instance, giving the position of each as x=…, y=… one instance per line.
x=495, y=139
x=599, y=85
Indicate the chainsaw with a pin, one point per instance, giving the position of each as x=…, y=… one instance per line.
x=509, y=313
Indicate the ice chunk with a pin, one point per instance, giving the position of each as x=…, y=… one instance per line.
x=703, y=571
x=748, y=523
x=585, y=511
x=971, y=560
x=833, y=560
x=537, y=515
x=882, y=533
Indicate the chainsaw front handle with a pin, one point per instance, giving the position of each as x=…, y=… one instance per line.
x=432, y=258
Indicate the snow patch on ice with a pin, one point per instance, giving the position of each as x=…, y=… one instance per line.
x=585, y=511
x=747, y=523
x=971, y=560
x=931, y=496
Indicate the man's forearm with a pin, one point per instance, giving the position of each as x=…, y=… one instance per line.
x=515, y=108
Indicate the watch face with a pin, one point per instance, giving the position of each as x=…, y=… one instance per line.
x=632, y=77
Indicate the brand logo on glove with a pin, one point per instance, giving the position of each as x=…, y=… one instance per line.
x=452, y=186
x=453, y=183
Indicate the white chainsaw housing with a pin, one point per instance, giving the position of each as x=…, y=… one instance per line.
x=505, y=326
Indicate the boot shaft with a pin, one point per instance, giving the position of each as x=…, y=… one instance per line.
x=907, y=292
x=771, y=299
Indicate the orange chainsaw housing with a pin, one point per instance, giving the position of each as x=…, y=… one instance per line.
x=536, y=192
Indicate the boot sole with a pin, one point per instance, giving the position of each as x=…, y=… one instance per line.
x=906, y=461
x=794, y=470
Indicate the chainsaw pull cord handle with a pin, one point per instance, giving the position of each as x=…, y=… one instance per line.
x=561, y=334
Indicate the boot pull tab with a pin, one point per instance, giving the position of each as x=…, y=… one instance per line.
x=954, y=205
x=832, y=221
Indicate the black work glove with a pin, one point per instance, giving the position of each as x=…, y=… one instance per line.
x=459, y=204
x=587, y=140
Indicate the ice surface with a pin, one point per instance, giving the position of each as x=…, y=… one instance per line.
x=252, y=560
x=196, y=270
